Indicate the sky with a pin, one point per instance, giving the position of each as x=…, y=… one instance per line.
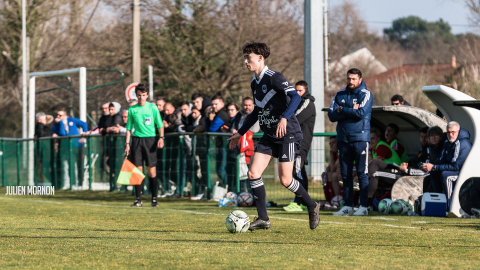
x=380, y=13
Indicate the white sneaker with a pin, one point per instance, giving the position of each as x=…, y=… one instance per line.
x=345, y=211
x=361, y=211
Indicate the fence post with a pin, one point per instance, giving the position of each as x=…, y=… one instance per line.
x=237, y=174
x=18, y=163
x=209, y=188
x=164, y=155
x=4, y=178
x=111, y=160
x=194, y=159
x=35, y=161
x=180, y=165
x=70, y=163
x=90, y=161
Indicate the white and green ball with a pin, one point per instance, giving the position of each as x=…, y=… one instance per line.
x=385, y=206
x=237, y=222
x=399, y=207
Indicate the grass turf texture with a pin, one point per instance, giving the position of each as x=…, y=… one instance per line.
x=98, y=229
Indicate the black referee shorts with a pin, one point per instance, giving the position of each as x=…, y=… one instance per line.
x=144, y=149
x=285, y=152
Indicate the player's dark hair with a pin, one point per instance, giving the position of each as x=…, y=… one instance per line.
x=304, y=84
x=355, y=71
x=376, y=131
x=184, y=103
x=142, y=88
x=256, y=48
x=217, y=96
x=424, y=130
x=395, y=127
x=196, y=95
x=232, y=103
x=398, y=98
x=247, y=98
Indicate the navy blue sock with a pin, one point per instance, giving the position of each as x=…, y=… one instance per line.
x=298, y=189
x=260, y=196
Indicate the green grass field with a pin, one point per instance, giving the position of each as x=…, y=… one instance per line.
x=87, y=229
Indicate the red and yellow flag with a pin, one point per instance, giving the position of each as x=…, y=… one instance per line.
x=129, y=174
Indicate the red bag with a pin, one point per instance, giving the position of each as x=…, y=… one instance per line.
x=246, y=145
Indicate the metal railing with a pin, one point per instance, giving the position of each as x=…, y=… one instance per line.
x=189, y=164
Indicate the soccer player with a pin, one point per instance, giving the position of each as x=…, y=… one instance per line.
x=276, y=101
x=144, y=116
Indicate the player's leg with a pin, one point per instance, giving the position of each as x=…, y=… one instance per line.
x=136, y=159
x=346, y=158
x=288, y=152
x=151, y=162
x=361, y=163
x=259, y=162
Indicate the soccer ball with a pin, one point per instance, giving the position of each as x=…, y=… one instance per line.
x=245, y=199
x=400, y=207
x=338, y=201
x=384, y=206
x=237, y=222
x=231, y=195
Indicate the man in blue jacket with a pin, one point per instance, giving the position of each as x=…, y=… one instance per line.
x=69, y=126
x=352, y=109
x=444, y=173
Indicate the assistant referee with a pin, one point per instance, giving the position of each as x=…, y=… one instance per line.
x=144, y=116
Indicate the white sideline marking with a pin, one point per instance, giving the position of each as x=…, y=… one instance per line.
x=384, y=218
x=217, y=214
x=419, y=222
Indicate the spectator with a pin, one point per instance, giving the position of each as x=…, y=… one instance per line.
x=444, y=172
x=160, y=102
x=115, y=119
x=43, y=128
x=383, y=164
x=435, y=149
x=121, y=128
x=412, y=166
x=397, y=100
x=232, y=109
x=102, y=127
x=391, y=134
x=171, y=123
x=185, y=115
x=201, y=103
x=306, y=115
x=242, y=115
x=216, y=118
x=352, y=108
x=171, y=126
x=70, y=126
x=132, y=102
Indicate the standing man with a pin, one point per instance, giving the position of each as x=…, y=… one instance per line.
x=144, y=116
x=305, y=114
x=276, y=102
x=242, y=115
x=352, y=109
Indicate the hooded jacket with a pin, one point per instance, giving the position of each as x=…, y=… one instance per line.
x=353, y=125
x=454, y=154
x=306, y=115
x=113, y=120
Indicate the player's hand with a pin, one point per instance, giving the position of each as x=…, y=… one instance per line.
x=282, y=128
x=127, y=150
x=340, y=108
x=234, y=131
x=160, y=143
x=356, y=106
x=426, y=167
x=234, y=140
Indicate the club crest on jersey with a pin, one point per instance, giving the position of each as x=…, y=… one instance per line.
x=354, y=101
x=343, y=100
x=264, y=88
x=285, y=83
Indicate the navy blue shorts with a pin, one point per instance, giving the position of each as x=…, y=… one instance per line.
x=285, y=152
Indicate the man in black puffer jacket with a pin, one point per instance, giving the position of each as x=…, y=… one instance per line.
x=305, y=114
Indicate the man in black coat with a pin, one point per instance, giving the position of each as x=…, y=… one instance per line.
x=305, y=114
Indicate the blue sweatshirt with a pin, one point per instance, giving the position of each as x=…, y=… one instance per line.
x=454, y=154
x=73, y=125
x=353, y=125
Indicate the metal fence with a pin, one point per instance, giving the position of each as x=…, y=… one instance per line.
x=188, y=165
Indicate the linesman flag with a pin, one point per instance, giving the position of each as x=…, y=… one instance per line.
x=129, y=174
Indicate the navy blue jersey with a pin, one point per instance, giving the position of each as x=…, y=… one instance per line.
x=270, y=95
